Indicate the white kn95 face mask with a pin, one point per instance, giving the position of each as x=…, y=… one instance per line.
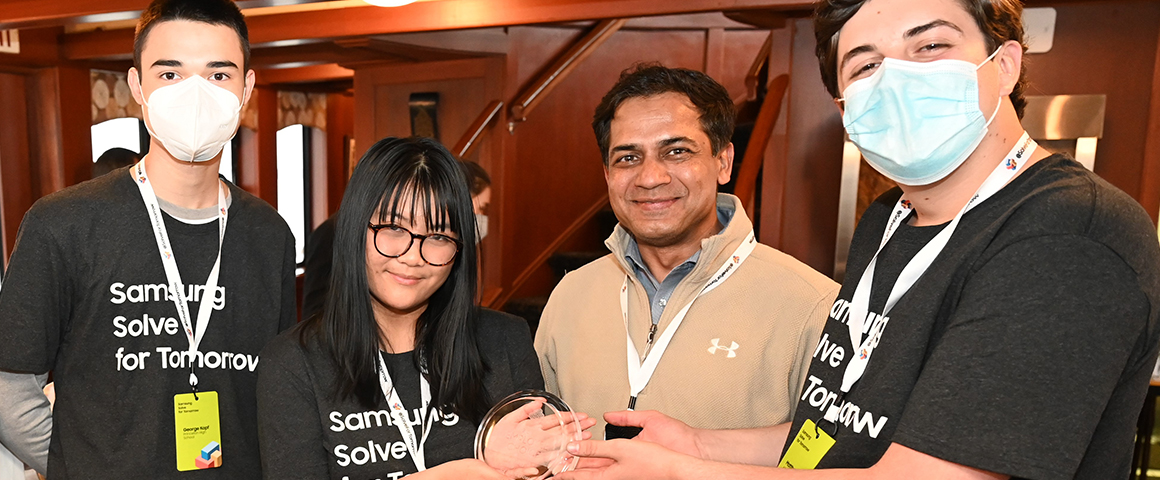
x=193, y=118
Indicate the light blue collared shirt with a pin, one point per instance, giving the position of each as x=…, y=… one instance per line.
x=660, y=291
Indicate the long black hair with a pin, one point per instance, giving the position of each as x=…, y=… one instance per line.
x=445, y=336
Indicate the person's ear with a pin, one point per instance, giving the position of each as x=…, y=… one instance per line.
x=725, y=159
x=134, y=81
x=841, y=104
x=251, y=79
x=1010, y=60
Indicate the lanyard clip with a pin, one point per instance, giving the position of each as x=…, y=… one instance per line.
x=193, y=381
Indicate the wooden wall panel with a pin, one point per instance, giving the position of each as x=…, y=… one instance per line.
x=258, y=158
x=741, y=48
x=15, y=194
x=76, y=155
x=1116, y=43
x=465, y=87
x=339, y=130
x=813, y=164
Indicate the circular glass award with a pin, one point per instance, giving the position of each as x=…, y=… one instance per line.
x=525, y=436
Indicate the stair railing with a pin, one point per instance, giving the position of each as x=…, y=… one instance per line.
x=535, y=93
x=746, y=187
x=470, y=140
x=547, y=253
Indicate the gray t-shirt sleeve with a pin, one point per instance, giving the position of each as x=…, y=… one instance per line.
x=25, y=418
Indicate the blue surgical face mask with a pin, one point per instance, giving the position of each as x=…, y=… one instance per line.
x=916, y=122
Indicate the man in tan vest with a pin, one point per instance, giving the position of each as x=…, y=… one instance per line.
x=719, y=328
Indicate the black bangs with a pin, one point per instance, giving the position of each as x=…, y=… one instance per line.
x=425, y=193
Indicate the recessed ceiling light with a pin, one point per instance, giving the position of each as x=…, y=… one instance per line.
x=389, y=3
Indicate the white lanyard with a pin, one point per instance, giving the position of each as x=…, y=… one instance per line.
x=860, y=303
x=176, y=286
x=399, y=414
x=638, y=373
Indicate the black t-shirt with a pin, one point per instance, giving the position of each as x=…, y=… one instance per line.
x=85, y=296
x=307, y=433
x=1025, y=349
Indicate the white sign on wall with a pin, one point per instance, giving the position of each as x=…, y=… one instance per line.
x=1039, y=29
x=9, y=41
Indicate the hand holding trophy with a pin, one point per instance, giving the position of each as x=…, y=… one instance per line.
x=525, y=435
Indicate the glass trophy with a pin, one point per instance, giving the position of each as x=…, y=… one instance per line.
x=525, y=436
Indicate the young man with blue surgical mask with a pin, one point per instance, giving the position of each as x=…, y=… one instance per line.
x=999, y=316
x=149, y=292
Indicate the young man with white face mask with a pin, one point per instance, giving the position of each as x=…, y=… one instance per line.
x=150, y=291
x=999, y=316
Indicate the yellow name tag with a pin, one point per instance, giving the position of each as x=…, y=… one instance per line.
x=808, y=448
x=199, y=433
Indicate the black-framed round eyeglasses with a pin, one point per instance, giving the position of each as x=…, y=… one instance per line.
x=394, y=241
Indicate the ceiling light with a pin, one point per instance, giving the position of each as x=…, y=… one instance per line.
x=389, y=3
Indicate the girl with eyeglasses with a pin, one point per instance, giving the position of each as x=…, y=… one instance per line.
x=395, y=374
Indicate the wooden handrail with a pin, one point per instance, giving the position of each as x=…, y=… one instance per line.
x=468, y=142
x=746, y=187
x=535, y=93
x=547, y=253
x=752, y=79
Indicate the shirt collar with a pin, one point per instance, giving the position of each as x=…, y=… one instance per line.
x=632, y=252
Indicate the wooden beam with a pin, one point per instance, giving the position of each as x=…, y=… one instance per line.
x=38, y=13
x=539, y=89
x=313, y=73
x=26, y=13
x=404, y=51
x=470, y=139
x=430, y=16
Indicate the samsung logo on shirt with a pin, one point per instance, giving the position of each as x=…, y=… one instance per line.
x=159, y=292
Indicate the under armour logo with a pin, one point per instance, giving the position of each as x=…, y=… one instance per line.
x=717, y=346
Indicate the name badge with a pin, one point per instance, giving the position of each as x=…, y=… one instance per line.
x=808, y=448
x=198, y=429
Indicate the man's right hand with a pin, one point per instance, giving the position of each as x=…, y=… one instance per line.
x=660, y=429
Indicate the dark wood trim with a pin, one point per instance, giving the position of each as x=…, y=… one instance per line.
x=429, y=16
x=313, y=73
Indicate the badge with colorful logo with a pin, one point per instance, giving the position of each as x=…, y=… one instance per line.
x=906, y=204
x=198, y=431
x=1012, y=164
x=863, y=355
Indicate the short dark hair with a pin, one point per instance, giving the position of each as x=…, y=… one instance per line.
x=395, y=172
x=718, y=114
x=477, y=178
x=113, y=159
x=999, y=20
x=213, y=12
